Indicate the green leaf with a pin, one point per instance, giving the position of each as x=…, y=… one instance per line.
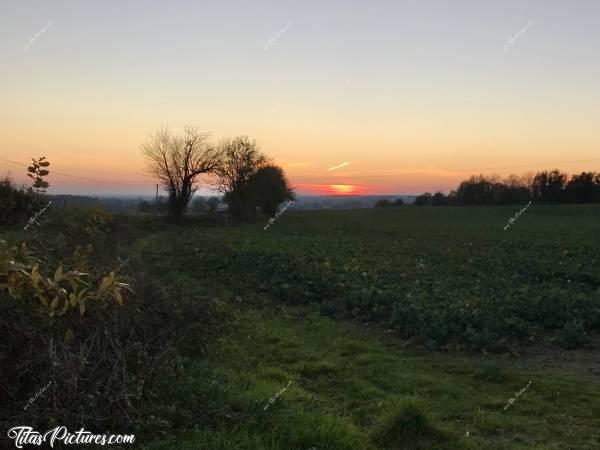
x=58, y=275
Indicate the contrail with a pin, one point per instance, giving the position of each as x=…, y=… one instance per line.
x=341, y=165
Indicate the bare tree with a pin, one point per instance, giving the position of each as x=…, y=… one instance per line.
x=241, y=160
x=527, y=180
x=177, y=161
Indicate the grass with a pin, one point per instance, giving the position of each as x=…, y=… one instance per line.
x=448, y=278
x=352, y=390
x=406, y=425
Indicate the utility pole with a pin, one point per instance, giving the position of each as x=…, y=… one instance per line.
x=156, y=199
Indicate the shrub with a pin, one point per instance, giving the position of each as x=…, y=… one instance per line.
x=112, y=363
x=438, y=199
x=17, y=204
x=22, y=277
x=423, y=200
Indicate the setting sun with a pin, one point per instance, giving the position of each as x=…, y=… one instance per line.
x=343, y=189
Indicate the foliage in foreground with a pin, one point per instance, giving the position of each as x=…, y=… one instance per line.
x=58, y=292
x=106, y=361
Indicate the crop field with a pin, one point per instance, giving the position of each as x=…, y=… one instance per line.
x=390, y=328
x=452, y=278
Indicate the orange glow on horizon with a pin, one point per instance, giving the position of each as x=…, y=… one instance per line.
x=343, y=189
x=331, y=189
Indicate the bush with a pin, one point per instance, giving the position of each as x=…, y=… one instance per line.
x=438, y=199
x=22, y=277
x=49, y=339
x=108, y=366
x=17, y=204
x=423, y=200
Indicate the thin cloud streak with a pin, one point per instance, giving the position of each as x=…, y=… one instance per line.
x=338, y=166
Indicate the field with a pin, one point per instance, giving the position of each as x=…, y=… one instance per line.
x=397, y=328
x=452, y=278
x=384, y=328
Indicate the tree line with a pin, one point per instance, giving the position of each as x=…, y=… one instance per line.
x=545, y=186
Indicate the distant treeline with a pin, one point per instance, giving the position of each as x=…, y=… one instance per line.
x=544, y=187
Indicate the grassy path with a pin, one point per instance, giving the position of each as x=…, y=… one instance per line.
x=351, y=390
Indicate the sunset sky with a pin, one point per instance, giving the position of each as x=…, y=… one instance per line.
x=413, y=95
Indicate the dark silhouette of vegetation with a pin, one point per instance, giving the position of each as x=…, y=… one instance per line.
x=438, y=199
x=549, y=187
x=423, y=199
x=242, y=160
x=385, y=203
x=178, y=161
x=37, y=171
x=270, y=188
x=544, y=187
x=17, y=204
x=584, y=188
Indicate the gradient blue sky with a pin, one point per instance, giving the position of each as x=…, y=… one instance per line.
x=416, y=95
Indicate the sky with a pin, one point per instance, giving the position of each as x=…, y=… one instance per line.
x=414, y=95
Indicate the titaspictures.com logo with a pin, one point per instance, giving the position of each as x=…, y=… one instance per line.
x=24, y=435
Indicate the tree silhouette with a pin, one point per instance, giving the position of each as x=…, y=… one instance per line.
x=178, y=161
x=242, y=159
x=548, y=187
x=270, y=188
x=583, y=188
